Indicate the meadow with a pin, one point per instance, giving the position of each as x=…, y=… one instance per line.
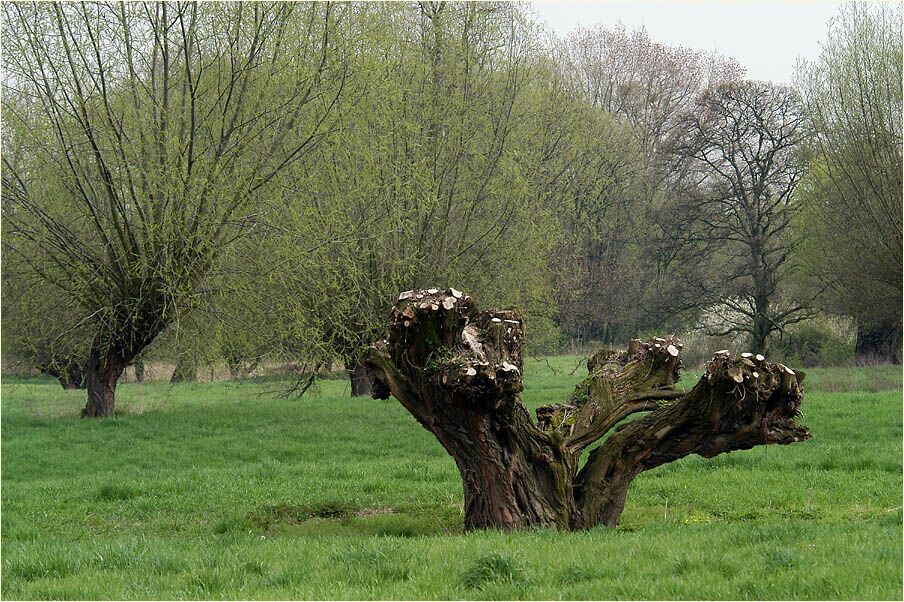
x=227, y=490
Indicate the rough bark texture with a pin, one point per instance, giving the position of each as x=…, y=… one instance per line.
x=103, y=372
x=457, y=370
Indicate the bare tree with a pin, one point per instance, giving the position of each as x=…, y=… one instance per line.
x=743, y=143
x=649, y=87
x=144, y=135
x=458, y=371
x=648, y=84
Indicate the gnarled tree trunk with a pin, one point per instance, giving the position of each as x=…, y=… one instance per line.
x=111, y=353
x=458, y=371
x=103, y=372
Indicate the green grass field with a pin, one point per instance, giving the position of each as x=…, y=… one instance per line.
x=225, y=490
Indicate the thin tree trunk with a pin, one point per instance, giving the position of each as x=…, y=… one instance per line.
x=72, y=376
x=139, y=370
x=186, y=370
x=103, y=372
x=763, y=284
x=235, y=368
x=878, y=343
x=358, y=376
x=758, y=338
x=762, y=325
x=69, y=372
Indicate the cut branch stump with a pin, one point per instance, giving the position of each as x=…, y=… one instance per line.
x=458, y=371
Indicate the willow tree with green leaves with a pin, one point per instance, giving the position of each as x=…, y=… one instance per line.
x=139, y=140
x=587, y=172
x=421, y=181
x=28, y=344
x=852, y=194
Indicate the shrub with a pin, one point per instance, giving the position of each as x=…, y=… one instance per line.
x=823, y=341
x=819, y=342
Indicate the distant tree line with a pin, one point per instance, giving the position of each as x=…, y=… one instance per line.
x=257, y=182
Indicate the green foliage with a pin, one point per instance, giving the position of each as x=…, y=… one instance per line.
x=139, y=143
x=170, y=508
x=393, y=146
x=814, y=344
x=852, y=224
x=422, y=182
x=544, y=337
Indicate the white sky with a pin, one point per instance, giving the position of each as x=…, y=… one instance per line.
x=765, y=36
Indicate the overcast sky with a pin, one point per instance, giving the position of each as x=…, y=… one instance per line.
x=765, y=36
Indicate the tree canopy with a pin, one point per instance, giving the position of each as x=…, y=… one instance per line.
x=254, y=183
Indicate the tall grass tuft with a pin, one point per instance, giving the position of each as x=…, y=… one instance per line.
x=494, y=568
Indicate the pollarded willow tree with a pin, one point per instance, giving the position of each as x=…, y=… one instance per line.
x=458, y=371
x=139, y=139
